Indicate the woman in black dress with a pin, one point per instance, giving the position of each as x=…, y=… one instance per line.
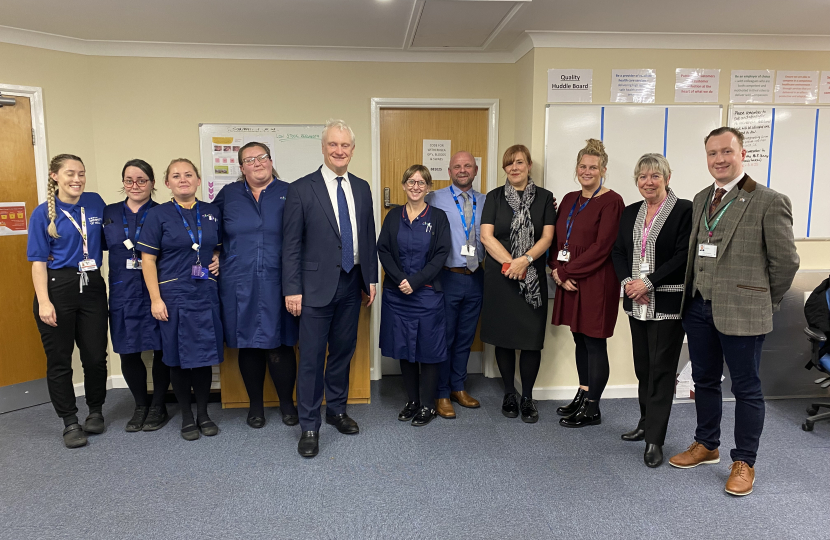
x=516, y=229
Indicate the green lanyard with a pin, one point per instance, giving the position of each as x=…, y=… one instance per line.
x=711, y=229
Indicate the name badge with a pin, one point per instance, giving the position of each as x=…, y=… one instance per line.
x=87, y=265
x=644, y=268
x=195, y=247
x=707, y=250
x=128, y=243
x=564, y=256
x=198, y=271
x=133, y=264
x=468, y=251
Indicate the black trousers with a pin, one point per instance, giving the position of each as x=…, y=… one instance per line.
x=82, y=318
x=657, y=346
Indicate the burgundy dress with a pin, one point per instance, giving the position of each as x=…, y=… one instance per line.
x=592, y=309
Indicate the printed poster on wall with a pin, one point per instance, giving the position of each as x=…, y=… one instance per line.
x=752, y=86
x=824, y=88
x=13, y=218
x=437, y=158
x=796, y=87
x=570, y=85
x=756, y=125
x=633, y=85
x=696, y=85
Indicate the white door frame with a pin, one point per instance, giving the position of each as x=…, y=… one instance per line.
x=492, y=106
x=35, y=95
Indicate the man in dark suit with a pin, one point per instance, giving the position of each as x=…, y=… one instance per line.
x=742, y=259
x=329, y=255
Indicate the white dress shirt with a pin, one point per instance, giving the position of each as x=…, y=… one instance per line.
x=728, y=187
x=330, y=177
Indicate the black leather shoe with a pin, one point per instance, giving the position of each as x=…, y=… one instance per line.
x=290, y=419
x=409, y=411
x=94, y=423
x=309, y=444
x=137, y=421
x=653, y=456
x=190, y=432
x=156, y=418
x=256, y=422
x=208, y=428
x=74, y=436
x=424, y=417
x=635, y=434
x=510, y=405
x=585, y=415
x=530, y=414
x=343, y=423
x=571, y=407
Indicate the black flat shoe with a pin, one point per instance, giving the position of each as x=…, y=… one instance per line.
x=309, y=444
x=530, y=414
x=510, y=406
x=256, y=422
x=157, y=417
x=635, y=434
x=290, y=419
x=571, y=407
x=409, y=411
x=343, y=423
x=653, y=456
x=190, y=432
x=94, y=423
x=586, y=415
x=209, y=428
x=424, y=417
x=74, y=436
x=136, y=423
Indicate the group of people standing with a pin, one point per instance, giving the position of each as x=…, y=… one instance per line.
x=296, y=258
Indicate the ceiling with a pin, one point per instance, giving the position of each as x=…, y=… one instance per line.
x=371, y=29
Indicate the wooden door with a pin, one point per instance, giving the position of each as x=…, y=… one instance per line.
x=21, y=355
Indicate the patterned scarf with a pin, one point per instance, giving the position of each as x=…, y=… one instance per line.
x=521, y=238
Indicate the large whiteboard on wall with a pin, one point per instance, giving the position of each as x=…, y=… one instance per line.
x=295, y=150
x=788, y=150
x=629, y=131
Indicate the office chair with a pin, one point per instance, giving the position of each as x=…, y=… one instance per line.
x=817, y=309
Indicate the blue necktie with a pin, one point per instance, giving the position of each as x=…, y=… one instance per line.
x=346, y=239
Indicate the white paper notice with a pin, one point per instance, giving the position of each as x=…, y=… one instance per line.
x=13, y=218
x=570, y=85
x=756, y=125
x=633, y=85
x=696, y=85
x=437, y=158
x=752, y=86
x=824, y=88
x=796, y=87
x=477, y=179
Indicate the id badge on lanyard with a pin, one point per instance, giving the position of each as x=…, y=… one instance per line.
x=197, y=271
x=708, y=249
x=87, y=264
x=133, y=263
x=565, y=254
x=467, y=250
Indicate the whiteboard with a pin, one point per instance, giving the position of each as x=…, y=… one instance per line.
x=788, y=150
x=629, y=131
x=296, y=150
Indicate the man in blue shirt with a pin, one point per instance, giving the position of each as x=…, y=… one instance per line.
x=462, y=279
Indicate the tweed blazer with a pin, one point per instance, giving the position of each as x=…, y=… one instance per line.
x=756, y=260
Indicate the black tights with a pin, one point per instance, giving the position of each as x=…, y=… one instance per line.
x=282, y=365
x=529, y=362
x=420, y=388
x=135, y=373
x=199, y=380
x=592, y=364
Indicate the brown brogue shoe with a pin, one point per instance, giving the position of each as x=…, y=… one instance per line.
x=741, y=479
x=465, y=400
x=695, y=455
x=444, y=408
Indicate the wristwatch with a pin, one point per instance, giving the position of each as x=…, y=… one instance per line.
x=529, y=258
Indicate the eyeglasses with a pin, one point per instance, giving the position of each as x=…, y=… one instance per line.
x=141, y=182
x=412, y=183
x=262, y=159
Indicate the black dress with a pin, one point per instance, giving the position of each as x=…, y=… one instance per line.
x=507, y=320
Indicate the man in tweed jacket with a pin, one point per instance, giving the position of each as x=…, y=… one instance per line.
x=742, y=259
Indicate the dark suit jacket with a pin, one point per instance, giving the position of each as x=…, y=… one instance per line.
x=440, y=244
x=311, y=249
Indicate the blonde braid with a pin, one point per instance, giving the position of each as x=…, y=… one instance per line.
x=51, y=193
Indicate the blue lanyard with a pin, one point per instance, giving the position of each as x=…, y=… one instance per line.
x=461, y=212
x=138, y=226
x=187, y=225
x=569, y=223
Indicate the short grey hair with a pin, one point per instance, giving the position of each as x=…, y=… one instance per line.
x=652, y=162
x=334, y=123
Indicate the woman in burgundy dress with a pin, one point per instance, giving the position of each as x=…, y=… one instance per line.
x=588, y=292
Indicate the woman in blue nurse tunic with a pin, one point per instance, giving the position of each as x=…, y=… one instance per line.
x=132, y=326
x=178, y=242
x=253, y=308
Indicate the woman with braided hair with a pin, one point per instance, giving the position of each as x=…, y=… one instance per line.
x=70, y=304
x=516, y=230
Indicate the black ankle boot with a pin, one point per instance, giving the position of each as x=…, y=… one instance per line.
x=653, y=456
x=571, y=407
x=586, y=415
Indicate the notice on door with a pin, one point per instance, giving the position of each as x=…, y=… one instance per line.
x=437, y=158
x=13, y=218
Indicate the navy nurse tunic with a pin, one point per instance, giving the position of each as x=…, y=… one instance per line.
x=412, y=326
x=250, y=282
x=192, y=335
x=132, y=325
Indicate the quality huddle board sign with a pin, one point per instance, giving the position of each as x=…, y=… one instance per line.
x=570, y=85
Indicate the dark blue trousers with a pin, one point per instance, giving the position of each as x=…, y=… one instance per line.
x=708, y=349
x=335, y=326
x=462, y=307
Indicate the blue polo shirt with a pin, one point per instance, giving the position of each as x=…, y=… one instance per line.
x=443, y=200
x=68, y=250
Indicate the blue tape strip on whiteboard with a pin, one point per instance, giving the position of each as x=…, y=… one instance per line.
x=602, y=125
x=771, y=136
x=813, y=177
x=665, y=132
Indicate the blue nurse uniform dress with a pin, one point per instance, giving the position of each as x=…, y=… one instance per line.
x=250, y=284
x=192, y=335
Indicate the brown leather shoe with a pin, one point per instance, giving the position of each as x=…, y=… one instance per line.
x=741, y=479
x=465, y=400
x=444, y=408
x=695, y=455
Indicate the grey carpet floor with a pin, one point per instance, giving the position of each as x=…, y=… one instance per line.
x=479, y=476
